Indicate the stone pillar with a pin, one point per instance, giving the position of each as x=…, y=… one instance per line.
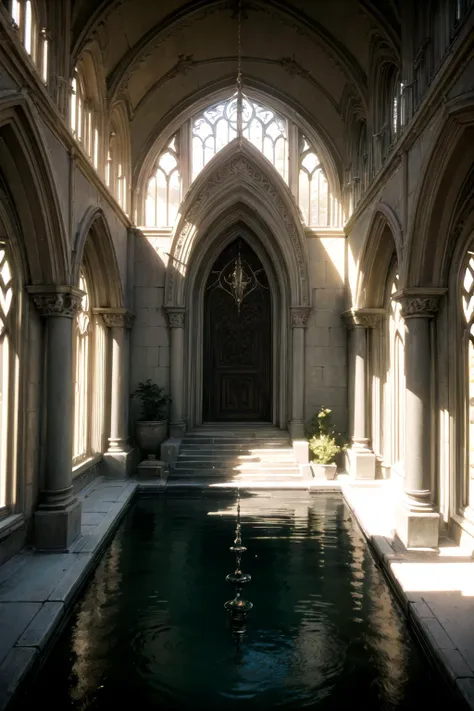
x=417, y=523
x=360, y=460
x=176, y=319
x=57, y=521
x=299, y=318
x=119, y=457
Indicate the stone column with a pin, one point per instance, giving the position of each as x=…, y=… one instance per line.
x=57, y=521
x=361, y=459
x=417, y=523
x=299, y=318
x=119, y=456
x=176, y=319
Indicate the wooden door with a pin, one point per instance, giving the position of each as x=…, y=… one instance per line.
x=237, y=344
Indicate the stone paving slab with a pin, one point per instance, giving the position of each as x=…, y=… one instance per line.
x=38, y=589
x=436, y=588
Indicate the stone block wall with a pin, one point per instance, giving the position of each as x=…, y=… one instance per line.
x=150, y=351
x=326, y=338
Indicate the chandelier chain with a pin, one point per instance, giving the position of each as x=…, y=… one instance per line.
x=239, y=73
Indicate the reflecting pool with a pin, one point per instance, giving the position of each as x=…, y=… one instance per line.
x=150, y=630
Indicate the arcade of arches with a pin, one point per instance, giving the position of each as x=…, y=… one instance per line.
x=135, y=183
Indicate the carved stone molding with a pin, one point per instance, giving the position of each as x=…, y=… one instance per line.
x=244, y=169
x=419, y=302
x=299, y=316
x=53, y=300
x=363, y=318
x=116, y=318
x=176, y=317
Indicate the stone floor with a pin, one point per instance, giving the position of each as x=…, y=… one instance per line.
x=436, y=589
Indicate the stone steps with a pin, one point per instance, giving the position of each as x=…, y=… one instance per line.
x=221, y=453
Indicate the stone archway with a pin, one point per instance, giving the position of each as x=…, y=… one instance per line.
x=238, y=193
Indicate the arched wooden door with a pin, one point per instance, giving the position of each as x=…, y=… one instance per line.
x=237, y=343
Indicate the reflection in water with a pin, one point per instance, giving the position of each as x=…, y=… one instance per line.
x=324, y=630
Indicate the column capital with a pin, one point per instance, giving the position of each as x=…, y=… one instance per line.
x=55, y=300
x=176, y=316
x=363, y=318
x=419, y=302
x=299, y=316
x=116, y=318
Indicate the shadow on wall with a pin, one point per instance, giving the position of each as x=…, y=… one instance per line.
x=326, y=337
x=150, y=351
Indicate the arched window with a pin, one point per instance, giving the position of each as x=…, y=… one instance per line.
x=84, y=117
x=118, y=163
x=7, y=365
x=167, y=178
x=314, y=194
x=215, y=127
x=164, y=188
x=81, y=448
x=33, y=36
x=467, y=299
x=397, y=358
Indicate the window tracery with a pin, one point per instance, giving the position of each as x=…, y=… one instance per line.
x=215, y=127
x=6, y=368
x=164, y=188
x=467, y=302
x=198, y=140
x=314, y=195
x=397, y=372
x=82, y=377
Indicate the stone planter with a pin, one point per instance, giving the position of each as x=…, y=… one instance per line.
x=150, y=435
x=324, y=471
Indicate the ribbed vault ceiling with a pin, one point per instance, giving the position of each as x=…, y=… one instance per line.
x=159, y=57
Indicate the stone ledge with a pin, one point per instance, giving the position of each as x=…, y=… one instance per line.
x=37, y=590
x=439, y=625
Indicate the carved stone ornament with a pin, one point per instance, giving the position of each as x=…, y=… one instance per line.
x=65, y=301
x=364, y=318
x=424, y=307
x=242, y=168
x=116, y=318
x=176, y=318
x=299, y=317
x=419, y=303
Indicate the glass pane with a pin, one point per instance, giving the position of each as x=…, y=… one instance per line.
x=174, y=197
x=310, y=162
x=162, y=198
x=198, y=156
x=471, y=424
x=304, y=195
x=256, y=134
x=167, y=162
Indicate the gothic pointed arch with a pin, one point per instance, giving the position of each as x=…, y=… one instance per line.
x=446, y=186
x=239, y=174
x=95, y=248
x=28, y=185
x=384, y=239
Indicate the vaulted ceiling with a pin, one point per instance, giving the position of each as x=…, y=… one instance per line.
x=162, y=56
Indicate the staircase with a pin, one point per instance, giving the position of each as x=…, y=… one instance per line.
x=236, y=453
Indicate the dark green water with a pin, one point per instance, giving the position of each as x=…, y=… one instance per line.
x=151, y=632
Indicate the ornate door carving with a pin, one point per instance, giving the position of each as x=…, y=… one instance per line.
x=237, y=345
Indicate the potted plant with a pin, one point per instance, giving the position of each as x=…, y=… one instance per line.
x=152, y=428
x=323, y=444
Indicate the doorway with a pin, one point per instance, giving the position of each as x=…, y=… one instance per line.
x=237, y=372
